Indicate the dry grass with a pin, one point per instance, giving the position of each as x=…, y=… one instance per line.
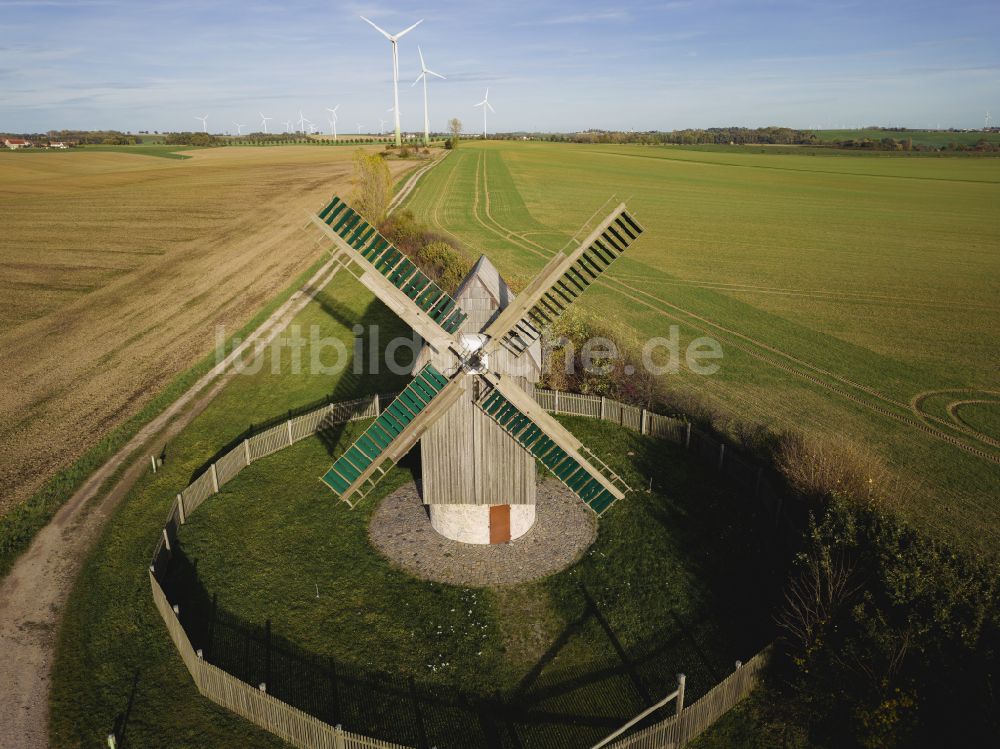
x=116, y=270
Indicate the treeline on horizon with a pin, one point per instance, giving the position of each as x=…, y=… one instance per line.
x=779, y=136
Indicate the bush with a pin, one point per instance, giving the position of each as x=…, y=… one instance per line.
x=440, y=258
x=890, y=638
x=822, y=469
x=372, y=185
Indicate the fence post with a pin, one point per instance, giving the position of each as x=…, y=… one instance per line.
x=681, y=722
x=338, y=737
x=604, y=402
x=378, y=405
x=722, y=455
x=152, y=459
x=180, y=509
x=215, y=479
x=687, y=438
x=557, y=403
x=246, y=450
x=166, y=540
x=289, y=425
x=642, y=422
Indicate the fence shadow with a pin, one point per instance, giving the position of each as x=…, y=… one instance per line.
x=577, y=705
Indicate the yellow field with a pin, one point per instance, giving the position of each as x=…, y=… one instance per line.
x=116, y=270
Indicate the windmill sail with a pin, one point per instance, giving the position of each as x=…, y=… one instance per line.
x=424, y=305
x=545, y=438
x=562, y=281
x=355, y=473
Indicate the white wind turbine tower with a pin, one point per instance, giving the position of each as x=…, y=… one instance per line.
x=288, y=126
x=263, y=121
x=393, y=38
x=302, y=121
x=485, y=103
x=424, y=70
x=988, y=119
x=333, y=120
x=381, y=126
x=204, y=122
x=239, y=128
x=359, y=128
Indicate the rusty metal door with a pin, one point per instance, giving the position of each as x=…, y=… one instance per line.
x=499, y=524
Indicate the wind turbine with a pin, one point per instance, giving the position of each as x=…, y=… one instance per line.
x=381, y=126
x=204, y=122
x=288, y=126
x=484, y=104
x=393, y=38
x=263, y=121
x=424, y=70
x=239, y=128
x=359, y=128
x=302, y=121
x=333, y=120
x=988, y=118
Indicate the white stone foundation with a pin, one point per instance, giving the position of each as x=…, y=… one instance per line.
x=470, y=524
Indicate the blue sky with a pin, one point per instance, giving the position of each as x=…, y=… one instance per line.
x=664, y=65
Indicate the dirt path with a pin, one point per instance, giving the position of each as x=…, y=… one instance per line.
x=32, y=596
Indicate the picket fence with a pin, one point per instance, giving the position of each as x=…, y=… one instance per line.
x=303, y=730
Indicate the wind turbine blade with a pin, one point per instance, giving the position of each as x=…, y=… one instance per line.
x=406, y=31
x=491, y=107
x=423, y=67
x=436, y=74
x=417, y=81
x=383, y=32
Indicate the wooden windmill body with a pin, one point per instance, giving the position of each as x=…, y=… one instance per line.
x=478, y=483
x=471, y=400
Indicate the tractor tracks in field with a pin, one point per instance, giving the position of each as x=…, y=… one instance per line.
x=788, y=363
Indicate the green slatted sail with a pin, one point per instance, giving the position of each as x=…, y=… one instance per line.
x=563, y=466
x=372, y=445
x=602, y=252
x=393, y=264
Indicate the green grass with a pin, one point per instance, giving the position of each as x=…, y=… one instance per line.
x=873, y=277
x=20, y=525
x=674, y=573
x=144, y=149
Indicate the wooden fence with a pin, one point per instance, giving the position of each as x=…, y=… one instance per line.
x=677, y=730
x=303, y=730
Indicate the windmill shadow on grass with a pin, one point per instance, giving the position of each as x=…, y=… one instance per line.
x=575, y=705
x=348, y=385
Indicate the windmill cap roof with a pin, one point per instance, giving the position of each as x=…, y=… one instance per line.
x=489, y=277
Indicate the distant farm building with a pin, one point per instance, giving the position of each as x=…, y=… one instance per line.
x=15, y=143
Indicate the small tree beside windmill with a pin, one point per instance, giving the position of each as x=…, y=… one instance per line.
x=470, y=402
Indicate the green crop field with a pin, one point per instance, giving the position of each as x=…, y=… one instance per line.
x=936, y=138
x=853, y=297
x=674, y=583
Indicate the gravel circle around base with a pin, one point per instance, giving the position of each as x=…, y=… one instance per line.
x=400, y=529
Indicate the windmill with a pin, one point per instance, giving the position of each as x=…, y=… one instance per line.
x=394, y=38
x=288, y=126
x=424, y=71
x=302, y=121
x=239, y=128
x=204, y=122
x=359, y=128
x=381, y=126
x=484, y=104
x=263, y=121
x=333, y=120
x=468, y=403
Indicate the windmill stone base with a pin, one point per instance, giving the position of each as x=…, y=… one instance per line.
x=471, y=524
